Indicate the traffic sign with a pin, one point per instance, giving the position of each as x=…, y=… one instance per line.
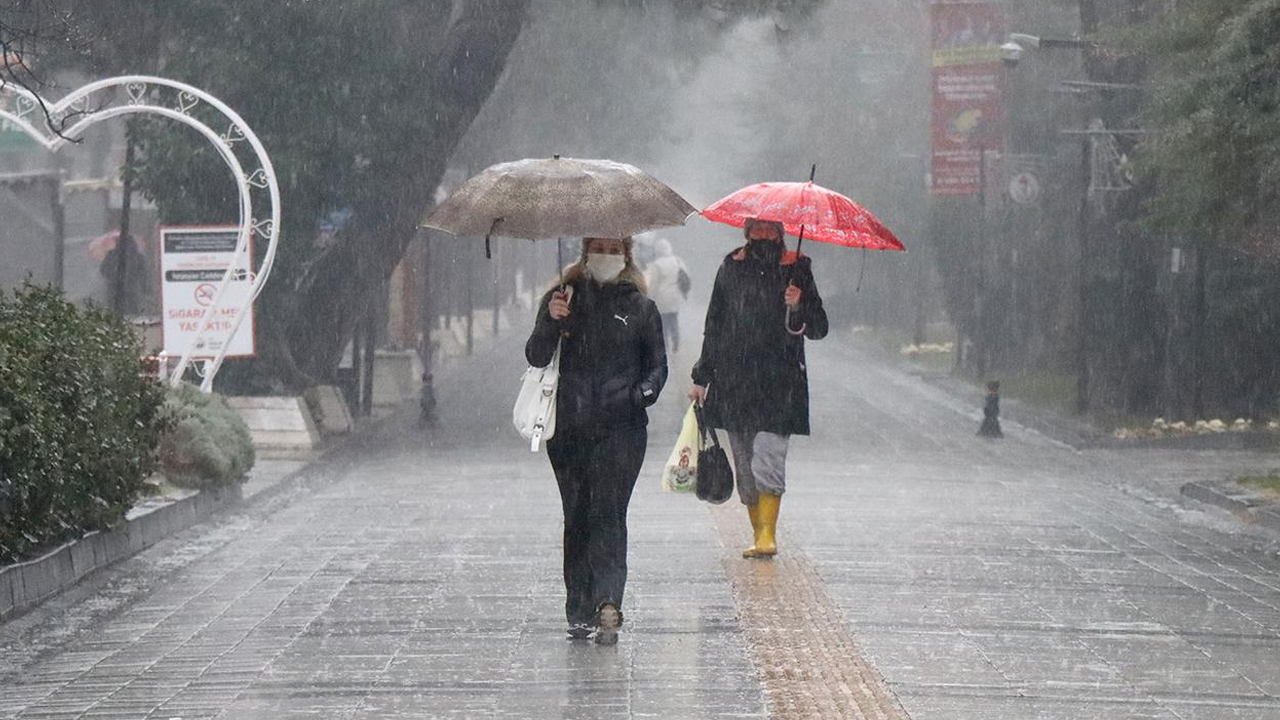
x=1025, y=188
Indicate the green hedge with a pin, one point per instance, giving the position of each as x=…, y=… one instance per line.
x=208, y=444
x=79, y=423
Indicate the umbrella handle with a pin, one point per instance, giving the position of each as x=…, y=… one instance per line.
x=560, y=257
x=799, y=242
x=803, y=326
x=488, y=250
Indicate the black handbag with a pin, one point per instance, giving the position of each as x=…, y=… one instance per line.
x=715, y=476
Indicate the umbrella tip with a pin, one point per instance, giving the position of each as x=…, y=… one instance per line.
x=813, y=171
x=556, y=156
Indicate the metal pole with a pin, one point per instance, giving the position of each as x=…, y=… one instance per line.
x=1082, y=229
x=1201, y=314
x=366, y=394
x=59, y=211
x=449, y=302
x=1088, y=27
x=122, y=244
x=1170, y=337
x=428, y=309
x=427, y=324
x=471, y=304
x=357, y=368
x=495, y=274
x=980, y=329
x=919, y=336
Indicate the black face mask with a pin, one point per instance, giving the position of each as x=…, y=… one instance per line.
x=770, y=250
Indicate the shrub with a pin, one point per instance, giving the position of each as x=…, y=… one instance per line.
x=207, y=444
x=79, y=423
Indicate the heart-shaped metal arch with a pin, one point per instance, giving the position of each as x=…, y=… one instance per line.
x=102, y=100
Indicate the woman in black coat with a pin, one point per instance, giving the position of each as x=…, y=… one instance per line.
x=752, y=376
x=613, y=365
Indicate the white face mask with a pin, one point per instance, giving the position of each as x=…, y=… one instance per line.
x=605, y=268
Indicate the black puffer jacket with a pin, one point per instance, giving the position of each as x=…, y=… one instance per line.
x=613, y=363
x=755, y=371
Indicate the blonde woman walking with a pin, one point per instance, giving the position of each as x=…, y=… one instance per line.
x=613, y=365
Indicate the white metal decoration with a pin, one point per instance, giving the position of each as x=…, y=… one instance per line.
x=69, y=117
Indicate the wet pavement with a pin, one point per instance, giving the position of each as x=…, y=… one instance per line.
x=924, y=572
x=1021, y=579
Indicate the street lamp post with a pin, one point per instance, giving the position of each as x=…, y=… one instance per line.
x=1018, y=43
x=120, y=285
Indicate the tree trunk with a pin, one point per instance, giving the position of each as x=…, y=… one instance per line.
x=341, y=286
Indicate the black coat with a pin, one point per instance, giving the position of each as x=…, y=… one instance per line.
x=753, y=368
x=613, y=363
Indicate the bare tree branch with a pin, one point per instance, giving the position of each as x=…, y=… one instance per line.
x=26, y=26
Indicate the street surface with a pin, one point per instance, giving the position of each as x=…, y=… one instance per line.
x=924, y=573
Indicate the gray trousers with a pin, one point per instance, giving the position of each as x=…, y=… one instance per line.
x=760, y=463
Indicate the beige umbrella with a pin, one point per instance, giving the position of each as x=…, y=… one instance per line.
x=559, y=197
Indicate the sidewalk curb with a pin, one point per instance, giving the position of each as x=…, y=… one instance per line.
x=1241, y=506
x=1079, y=434
x=23, y=586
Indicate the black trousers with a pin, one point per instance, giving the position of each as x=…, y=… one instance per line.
x=596, y=476
x=671, y=326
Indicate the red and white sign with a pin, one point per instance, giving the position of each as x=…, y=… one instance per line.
x=192, y=263
x=968, y=107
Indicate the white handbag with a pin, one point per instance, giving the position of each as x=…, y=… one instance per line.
x=534, y=414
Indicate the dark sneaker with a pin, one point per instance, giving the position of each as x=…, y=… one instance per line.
x=608, y=620
x=580, y=631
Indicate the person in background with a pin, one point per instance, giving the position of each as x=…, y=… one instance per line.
x=669, y=285
x=642, y=253
x=752, y=379
x=613, y=365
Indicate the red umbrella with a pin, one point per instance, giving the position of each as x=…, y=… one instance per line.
x=808, y=211
x=103, y=244
x=805, y=210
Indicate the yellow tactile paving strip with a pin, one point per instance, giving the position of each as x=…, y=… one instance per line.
x=802, y=648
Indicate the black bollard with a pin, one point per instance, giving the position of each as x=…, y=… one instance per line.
x=991, y=413
x=427, y=402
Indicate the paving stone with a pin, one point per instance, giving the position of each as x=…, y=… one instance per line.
x=1025, y=580
x=970, y=580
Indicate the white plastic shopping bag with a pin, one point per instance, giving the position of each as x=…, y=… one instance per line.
x=681, y=471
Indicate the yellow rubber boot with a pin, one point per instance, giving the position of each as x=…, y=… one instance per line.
x=753, y=512
x=766, y=538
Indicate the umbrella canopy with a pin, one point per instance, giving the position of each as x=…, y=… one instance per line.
x=103, y=244
x=560, y=197
x=825, y=215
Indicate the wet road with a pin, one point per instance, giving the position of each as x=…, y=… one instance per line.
x=925, y=574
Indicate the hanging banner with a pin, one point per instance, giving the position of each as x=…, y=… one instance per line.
x=968, y=108
x=192, y=263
